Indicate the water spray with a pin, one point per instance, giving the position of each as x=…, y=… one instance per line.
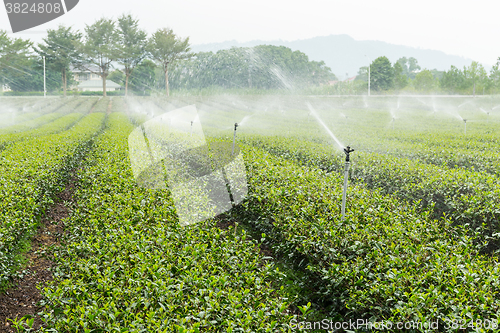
x=234, y=137
x=347, y=151
x=487, y=114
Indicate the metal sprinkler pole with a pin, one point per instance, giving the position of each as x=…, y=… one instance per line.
x=234, y=137
x=347, y=151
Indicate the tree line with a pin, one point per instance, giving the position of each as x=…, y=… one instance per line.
x=103, y=45
x=121, y=51
x=144, y=63
x=407, y=76
x=263, y=67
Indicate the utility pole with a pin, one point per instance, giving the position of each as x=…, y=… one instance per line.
x=369, y=65
x=44, y=80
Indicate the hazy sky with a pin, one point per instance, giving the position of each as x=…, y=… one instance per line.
x=463, y=28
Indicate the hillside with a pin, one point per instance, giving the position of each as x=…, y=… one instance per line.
x=345, y=55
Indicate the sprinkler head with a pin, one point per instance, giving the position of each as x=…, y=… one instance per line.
x=347, y=151
x=235, y=125
x=465, y=120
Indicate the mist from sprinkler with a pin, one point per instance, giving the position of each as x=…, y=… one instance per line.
x=487, y=114
x=244, y=120
x=318, y=119
x=364, y=101
x=393, y=116
x=464, y=103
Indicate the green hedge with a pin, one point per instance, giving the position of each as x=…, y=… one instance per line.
x=467, y=197
x=385, y=261
x=31, y=172
x=127, y=265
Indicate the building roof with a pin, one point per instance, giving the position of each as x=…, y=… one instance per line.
x=98, y=84
x=88, y=69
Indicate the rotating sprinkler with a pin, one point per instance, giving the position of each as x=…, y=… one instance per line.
x=393, y=119
x=191, y=134
x=465, y=128
x=347, y=151
x=234, y=137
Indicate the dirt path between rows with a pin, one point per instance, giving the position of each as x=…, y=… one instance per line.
x=110, y=105
x=23, y=299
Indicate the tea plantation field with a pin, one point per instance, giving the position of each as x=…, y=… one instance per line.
x=417, y=250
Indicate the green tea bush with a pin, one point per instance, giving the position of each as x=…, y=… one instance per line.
x=467, y=197
x=127, y=265
x=31, y=172
x=385, y=261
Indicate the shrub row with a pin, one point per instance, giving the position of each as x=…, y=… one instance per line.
x=31, y=172
x=25, y=112
x=126, y=265
x=467, y=197
x=385, y=261
x=69, y=115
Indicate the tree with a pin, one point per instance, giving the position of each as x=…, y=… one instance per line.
x=143, y=80
x=403, y=62
x=494, y=79
x=409, y=66
x=12, y=51
x=132, y=45
x=28, y=76
x=413, y=65
x=166, y=48
x=381, y=74
x=453, y=80
x=475, y=74
x=99, y=49
x=400, y=79
x=362, y=74
x=117, y=76
x=60, y=51
x=260, y=67
x=424, y=81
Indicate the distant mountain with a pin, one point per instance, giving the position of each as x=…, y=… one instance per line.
x=345, y=55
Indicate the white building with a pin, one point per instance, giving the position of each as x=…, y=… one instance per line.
x=89, y=81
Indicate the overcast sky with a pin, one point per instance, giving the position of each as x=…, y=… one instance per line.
x=464, y=28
